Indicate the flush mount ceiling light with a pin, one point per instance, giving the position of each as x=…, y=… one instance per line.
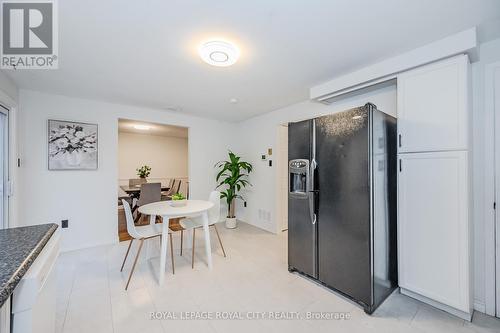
x=142, y=127
x=219, y=53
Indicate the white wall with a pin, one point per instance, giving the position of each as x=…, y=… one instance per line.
x=167, y=156
x=259, y=133
x=8, y=87
x=89, y=198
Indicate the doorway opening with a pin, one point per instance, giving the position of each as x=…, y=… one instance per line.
x=149, y=153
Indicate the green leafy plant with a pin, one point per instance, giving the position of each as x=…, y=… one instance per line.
x=233, y=175
x=178, y=196
x=143, y=171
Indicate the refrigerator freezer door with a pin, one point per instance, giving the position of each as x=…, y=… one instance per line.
x=342, y=154
x=384, y=206
x=302, y=249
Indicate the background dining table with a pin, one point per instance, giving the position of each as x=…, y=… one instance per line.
x=136, y=189
x=167, y=212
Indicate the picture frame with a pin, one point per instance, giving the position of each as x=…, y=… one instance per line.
x=72, y=145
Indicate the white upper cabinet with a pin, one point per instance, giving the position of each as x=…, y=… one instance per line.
x=433, y=107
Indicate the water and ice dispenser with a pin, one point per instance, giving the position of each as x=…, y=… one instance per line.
x=299, y=176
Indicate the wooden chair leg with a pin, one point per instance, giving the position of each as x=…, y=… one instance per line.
x=172, y=253
x=126, y=254
x=220, y=241
x=182, y=240
x=192, y=255
x=135, y=262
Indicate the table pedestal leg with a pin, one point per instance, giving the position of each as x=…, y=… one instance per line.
x=208, y=248
x=163, y=254
x=152, y=219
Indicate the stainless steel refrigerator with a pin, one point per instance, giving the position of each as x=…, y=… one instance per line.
x=342, y=203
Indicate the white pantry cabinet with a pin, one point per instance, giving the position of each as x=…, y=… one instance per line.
x=433, y=106
x=433, y=233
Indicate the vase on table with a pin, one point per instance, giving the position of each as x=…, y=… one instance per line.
x=73, y=158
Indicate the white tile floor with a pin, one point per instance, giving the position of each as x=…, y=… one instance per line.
x=253, y=278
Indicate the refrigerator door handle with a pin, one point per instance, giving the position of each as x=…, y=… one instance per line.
x=311, y=207
x=312, y=192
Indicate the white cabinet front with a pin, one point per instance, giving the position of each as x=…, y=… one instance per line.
x=433, y=226
x=432, y=107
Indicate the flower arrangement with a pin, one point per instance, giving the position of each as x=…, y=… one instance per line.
x=143, y=171
x=69, y=138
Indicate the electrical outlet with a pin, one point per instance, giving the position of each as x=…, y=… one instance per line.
x=64, y=223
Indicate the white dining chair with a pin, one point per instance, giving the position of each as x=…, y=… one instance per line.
x=196, y=222
x=142, y=233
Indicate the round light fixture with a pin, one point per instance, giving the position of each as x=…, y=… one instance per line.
x=219, y=53
x=142, y=127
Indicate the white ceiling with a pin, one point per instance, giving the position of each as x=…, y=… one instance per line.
x=145, y=52
x=127, y=126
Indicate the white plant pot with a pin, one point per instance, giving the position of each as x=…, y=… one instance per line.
x=231, y=222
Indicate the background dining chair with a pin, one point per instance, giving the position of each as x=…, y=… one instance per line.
x=173, y=190
x=136, y=181
x=169, y=185
x=197, y=222
x=166, y=194
x=142, y=233
x=150, y=192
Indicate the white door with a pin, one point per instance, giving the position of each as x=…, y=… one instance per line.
x=432, y=107
x=282, y=178
x=433, y=226
x=496, y=108
x=4, y=166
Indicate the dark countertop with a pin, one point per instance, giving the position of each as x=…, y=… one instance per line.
x=19, y=247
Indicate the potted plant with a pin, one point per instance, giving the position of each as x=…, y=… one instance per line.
x=178, y=200
x=143, y=172
x=233, y=175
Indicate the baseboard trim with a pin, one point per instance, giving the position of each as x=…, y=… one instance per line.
x=479, y=306
x=262, y=227
x=458, y=313
x=87, y=246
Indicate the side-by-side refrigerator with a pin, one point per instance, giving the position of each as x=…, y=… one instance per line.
x=342, y=203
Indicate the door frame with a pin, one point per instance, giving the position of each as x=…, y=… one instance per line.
x=4, y=110
x=281, y=166
x=12, y=105
x=492, y=193
x=492, y=74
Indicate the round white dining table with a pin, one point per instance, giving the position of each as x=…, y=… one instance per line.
x=167, y=212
